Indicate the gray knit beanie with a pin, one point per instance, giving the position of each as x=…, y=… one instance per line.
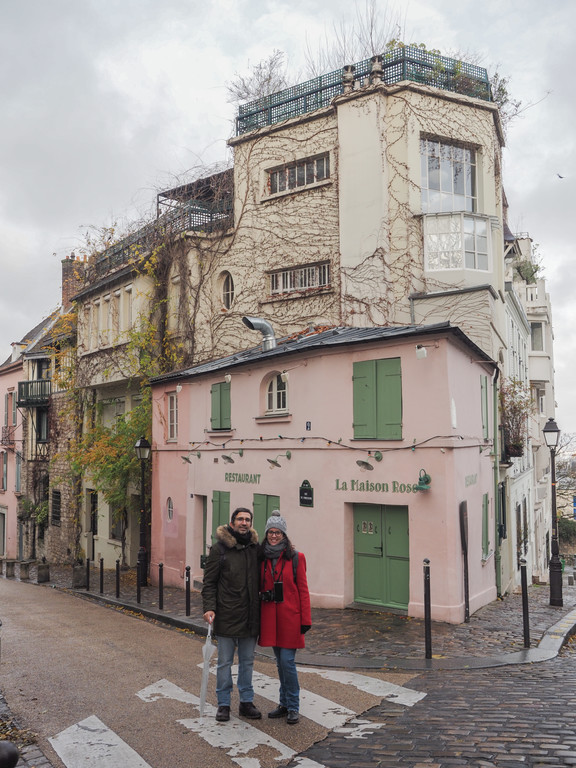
x=276, y=521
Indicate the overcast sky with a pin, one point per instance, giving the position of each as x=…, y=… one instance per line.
x=103, y=102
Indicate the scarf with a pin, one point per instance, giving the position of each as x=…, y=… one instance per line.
x=241, y=538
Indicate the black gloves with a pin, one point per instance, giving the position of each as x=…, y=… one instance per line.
x=304, y=628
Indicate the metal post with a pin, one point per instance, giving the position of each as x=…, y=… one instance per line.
x=525, y=616
x=142, y=554
x=117, y=579
x=87, y=574
x=427, y=611
x=138, y=577
x=555, y=564
x=9, y=754
x=187, y=580
x=101, y=575
x=161, y=586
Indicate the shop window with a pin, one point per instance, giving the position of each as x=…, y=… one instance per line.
x=377, y=399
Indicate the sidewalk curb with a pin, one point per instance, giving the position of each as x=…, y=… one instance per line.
x=548, y=648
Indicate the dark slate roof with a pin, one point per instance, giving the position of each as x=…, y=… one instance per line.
x=333, y=337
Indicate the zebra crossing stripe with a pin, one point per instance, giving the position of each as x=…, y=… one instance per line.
x=380, y=688
x=237, y=737
x=91, y=744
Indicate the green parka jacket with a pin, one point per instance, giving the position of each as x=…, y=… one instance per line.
x=231, y=582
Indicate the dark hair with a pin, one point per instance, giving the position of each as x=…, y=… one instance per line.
x=241, y=509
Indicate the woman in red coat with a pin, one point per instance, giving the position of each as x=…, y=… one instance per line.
x=285, y=611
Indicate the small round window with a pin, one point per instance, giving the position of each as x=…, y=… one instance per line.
x=227, y=290
x=169, y=508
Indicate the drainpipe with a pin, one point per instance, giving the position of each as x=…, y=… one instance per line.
x=497, y=510
x=257, y=324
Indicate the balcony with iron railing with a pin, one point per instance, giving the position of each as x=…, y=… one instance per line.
x=403, y=63
x=34, y=394
x=190, y=216
x=8, y=435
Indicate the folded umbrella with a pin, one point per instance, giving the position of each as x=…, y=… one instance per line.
x=207, y=653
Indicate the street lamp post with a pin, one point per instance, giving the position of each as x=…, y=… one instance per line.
x=142, y=449
x=551, y=435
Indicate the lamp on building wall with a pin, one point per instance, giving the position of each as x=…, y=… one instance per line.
x=192, y=453
x=275, y=463
x=227, y=457
x=142, y=449
x=424, y=481
x=364, y=465
x=551, y=436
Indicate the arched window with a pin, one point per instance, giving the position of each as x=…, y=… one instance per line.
x=277, y=395
x=227, y=290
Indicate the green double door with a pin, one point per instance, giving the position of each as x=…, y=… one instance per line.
x=381, y=555
x=262, y=505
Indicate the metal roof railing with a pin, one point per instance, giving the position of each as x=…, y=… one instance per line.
x=404, y=63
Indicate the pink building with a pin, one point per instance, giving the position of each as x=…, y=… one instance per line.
x=10, y=455
x=375, y=443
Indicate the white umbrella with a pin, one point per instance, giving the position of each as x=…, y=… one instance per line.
x=207, y=652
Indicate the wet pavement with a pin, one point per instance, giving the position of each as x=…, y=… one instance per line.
x=353, y=637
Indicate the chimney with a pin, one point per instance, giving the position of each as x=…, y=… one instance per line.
x=72, y=279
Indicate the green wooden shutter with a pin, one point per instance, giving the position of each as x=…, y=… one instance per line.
x=389, y=399
x=221, y=410
x=485, y=527
x=220, y=510
x=484, y=406
x=262, y=506
x=364, y=399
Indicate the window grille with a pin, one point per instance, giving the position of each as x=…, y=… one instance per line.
x=300, y=279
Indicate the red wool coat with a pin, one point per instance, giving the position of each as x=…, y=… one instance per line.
x=280, y=622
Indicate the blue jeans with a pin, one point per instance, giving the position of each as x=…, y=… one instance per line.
x=226, y=647
x=289, y=685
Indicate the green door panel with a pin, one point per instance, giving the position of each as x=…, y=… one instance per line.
x=262, y=506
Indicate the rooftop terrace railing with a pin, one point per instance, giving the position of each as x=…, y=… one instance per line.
x=191, y=216
x=405, y=63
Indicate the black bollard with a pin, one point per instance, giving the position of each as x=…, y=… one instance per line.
x=101, y=575
x=525, y=614
x=87, y=574
x=187, y=580
x=427, y=612
x=9, y=754
x=138, y=580
x=117, y=579
x=161, y=586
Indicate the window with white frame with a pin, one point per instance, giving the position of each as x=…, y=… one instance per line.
x=457, y=241
x=303, y=173
x=4, y=462
x=227, y=290
x=537, y=337
x=277, y=395
x=300, y=278
x=172, y=416
x=448, y=177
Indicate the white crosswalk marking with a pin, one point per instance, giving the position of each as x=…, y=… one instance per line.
x=373, y=685
x=91, y=744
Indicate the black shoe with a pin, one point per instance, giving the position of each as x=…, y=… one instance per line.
x=223, y=714
x=247, y=709
x=280, y=711
x=293, y=717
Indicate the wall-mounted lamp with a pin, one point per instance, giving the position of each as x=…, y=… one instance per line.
x=275, y=463
x=421, y=350
x=227, y=378
x=364, y=465
x=284, y=376
x=193, y=453
x=178, y=388
x=228, y=457
x=424, y=481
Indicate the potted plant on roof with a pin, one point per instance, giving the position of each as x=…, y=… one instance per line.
x=516, y=405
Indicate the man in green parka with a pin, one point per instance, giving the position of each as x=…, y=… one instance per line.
x=232, y=603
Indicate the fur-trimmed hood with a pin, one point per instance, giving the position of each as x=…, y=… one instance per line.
x=224, y=535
